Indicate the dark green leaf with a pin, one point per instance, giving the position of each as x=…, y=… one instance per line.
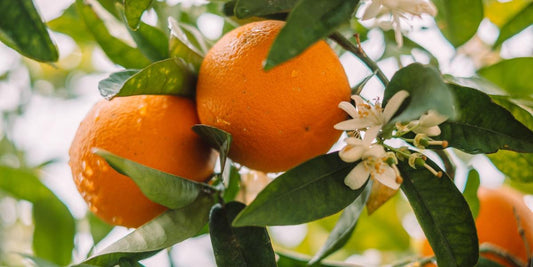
x=118, y=51
x=516, y=166
x=521, y=112
x=22, y=29
x=49, y=214
x=249, y=8
x=483, y=126
x=308, y=22
x=443, y=214
x=459, y=19
x=99, y=229
x=427, y=91
x=233, y=184
x=216, y=138
x=134, y=10
x=470, y=192
x=513, y=75
x=163, y=188
x=69, y=23
x=484, y=262
x=152, y=42
x=310, y=191
x=515, y=25
x=243, y=246
x=167, y=77
x=164, y=231
x=344, y=227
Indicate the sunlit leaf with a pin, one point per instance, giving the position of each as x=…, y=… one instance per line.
x=242, y=246
x=249, y=8
x=152, y=42
x=69, y=23
x=513, y=75
x=344, y=227
x=49, y=214
x=443, y=214
x=216, y=138
x=163, y=188
x=521, y=112
x=516, y=166
x=118, y=51
x=39, y=261
x=167, y=77
x=308, y=22
x=190, y=36
x=518, y=23
x=22, y=29
x=470, y=192
x=180, y=45
x=427, y=91
x=164, y=231
x=459, y=19
x=310, y=191
x=134, y=10
x=483, y=126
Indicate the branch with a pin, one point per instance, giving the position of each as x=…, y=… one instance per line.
x=359, y=53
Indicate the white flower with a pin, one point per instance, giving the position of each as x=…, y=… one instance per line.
x=373, y=165
x=398, y=9
x=368, y=117
x=428, y=123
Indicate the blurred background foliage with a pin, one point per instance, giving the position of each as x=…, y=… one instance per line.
x=41, y=105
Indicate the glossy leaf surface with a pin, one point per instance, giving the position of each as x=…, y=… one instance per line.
x=133, y=10
x=459, y=19
x=216, y=138
x=249, y=8
x=310, y=191
x=513, y=75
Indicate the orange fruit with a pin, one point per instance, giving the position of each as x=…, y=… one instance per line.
x=497, y=224
x=152, y=130
x=278, y=118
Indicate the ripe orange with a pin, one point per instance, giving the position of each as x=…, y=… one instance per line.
x=278, y=118
x=497, y=223
x=152, y=130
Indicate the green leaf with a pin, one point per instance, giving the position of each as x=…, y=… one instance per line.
x=216, y=138
x=190, y=36
x=134, y=10
x=39, y=261
x=243, y=246
x=99, y=228
x=392, y=49
x=516, y=166
x=308, y=22
x=483, y=126
x=163, y=188
x=118, y=51
x=515, y=25
x=310, y=191
x=291, y=259
x=521, y=112
x=181, y=46
x=249, y=8
x=484, y=262
x=164, y=231
x=459, y=19
x=167, y=77
x=470, y=192
x=443, y=214
x=513, y=75
x=22, y=29
x=49, y=214
x=152, y=42
x=427, y=91
x=69, y=23
x=344, y=227
x=233, y=184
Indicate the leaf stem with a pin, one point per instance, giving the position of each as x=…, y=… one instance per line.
x=491, y=249
x=359, y=53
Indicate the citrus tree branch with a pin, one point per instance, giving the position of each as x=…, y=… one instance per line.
x=359, y=53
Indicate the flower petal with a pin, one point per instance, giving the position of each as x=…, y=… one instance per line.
x=348, y=108
x=394, y=104
x=431, y=118
x=372, y=10
x=353, y=124
x=388, y=177
x=357, y=177
x=371, y=134
x=351, y=153
x=429, y=131
x=376, y=151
